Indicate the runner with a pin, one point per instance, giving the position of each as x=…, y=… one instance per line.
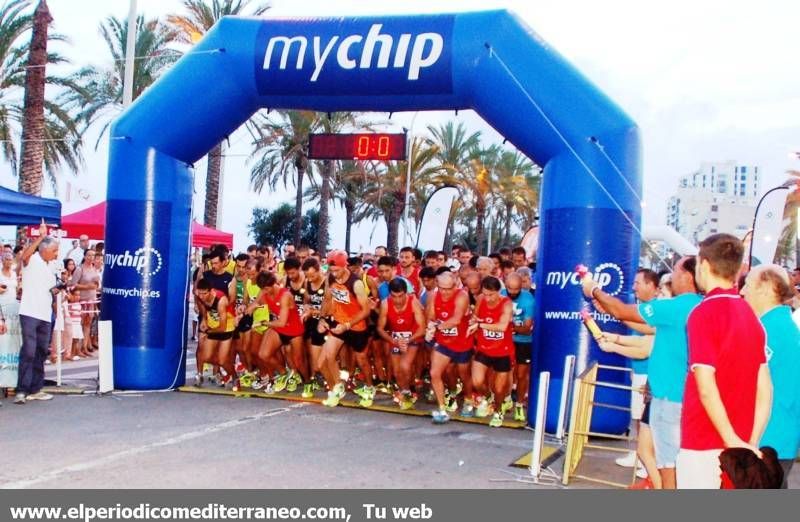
x=286, y=329
x=401, y=324
x=493, y=321
x=259, y=316
x=296, y=283
x=237, y=288
x=408, y=268
x=523, y=327
x=217, y=326
x=314, y=297
x=347, y=307
x=448, y=321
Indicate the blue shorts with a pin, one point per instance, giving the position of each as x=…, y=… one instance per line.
x=665, y=425
x=456, y=357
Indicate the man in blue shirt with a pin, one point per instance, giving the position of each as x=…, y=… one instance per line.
x=668, y=365
x=523, y=327
x=766, y=288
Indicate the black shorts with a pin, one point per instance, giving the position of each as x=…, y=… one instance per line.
x=498, y=364
x=358, y=341
x=317, y=339
x=286, y=339
x=219, y=336
x=522, y=353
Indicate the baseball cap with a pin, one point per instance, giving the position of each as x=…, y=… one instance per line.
x=337, y=258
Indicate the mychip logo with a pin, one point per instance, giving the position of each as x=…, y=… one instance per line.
x=146, y=261
x=608, y=276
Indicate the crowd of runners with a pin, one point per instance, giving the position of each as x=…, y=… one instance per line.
x=455, y=331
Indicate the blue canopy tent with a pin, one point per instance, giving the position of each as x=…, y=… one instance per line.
x=23, y=209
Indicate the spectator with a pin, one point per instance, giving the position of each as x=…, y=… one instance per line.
x=78, y=249
x=766, y=289
x=35, y=314
x=728, y=393
x=86, y=279
x=9, y=280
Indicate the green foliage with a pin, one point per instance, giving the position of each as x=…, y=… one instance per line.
x=269, y=227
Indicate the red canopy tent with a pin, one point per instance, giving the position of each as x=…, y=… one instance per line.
x=92, y=222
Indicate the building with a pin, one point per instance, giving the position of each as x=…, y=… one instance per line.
x=718, y=197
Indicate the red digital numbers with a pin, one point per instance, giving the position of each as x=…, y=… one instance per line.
x=381, y=147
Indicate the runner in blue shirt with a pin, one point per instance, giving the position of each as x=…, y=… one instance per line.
x=523, y=327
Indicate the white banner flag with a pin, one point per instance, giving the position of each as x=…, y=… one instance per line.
x=768, y=226
x=435, y=219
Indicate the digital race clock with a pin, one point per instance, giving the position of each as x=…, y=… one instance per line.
x=367, y=146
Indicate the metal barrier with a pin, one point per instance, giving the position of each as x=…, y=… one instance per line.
x=583, y=405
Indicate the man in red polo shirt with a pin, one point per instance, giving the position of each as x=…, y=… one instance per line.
x=728, y=393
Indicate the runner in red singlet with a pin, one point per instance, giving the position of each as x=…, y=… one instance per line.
x=494, y=346
x=401, y=324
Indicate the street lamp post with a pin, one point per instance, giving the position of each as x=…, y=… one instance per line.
x=410, y=145
x=130, y=49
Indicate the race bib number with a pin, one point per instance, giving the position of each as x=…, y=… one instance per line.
x=340, y=296
x=495, y=336
x=401, y=335
x=449, y=332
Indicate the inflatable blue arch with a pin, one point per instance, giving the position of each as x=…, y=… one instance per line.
x=490, y=62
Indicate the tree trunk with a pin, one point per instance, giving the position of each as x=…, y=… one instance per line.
x=349, y=212
x=324, y=200
x=31, y=177
x=392, y=224
x=480, y=226
x=212, y=186
x=298, y=208
x=507, y=238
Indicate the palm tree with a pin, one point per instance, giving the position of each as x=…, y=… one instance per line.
x=385, y=185
x=200, y=17
x=60, y=137
x=518, y=182
x=280, y=149
x=100, y=97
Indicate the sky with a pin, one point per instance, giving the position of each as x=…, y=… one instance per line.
x=706, y=80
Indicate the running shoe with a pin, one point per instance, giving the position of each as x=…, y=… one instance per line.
x=308, y=391
x=365, y=391
x=497, y=420
x=468, y=410
x=198, y=379
x=440, y=416
x=628, y=461
x=261, y=383
x=459, y=387
x=452, y=403
x=383, y=388
x=506, y=406
x=642, y=484
x=430, y=396
x=339, y=390
x=332, y=401
x=247, y=379
x=40, y=396
x=236, y=385
x=280, y=382
x=223, y=381
x=293, y=381
x=482, y=410
x=519, y=413
x=316, y=386
x=406, y=401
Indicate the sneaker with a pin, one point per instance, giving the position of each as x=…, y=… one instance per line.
x=223, y=381
x=262, y=383
x=198, y=379
x=642, y=484
x=497, y=420
x=641, y=472
x=280, y=382
x=339, y=390
x=365, y=391
x=333, y=399
x=519, y=413
x=293, y=381
x=440, y=416
x=247, y=380
x=507, y=405
x=452, y=403
x=483, y=409
x=430, y=396
x=384, y=389
x=308, y=391
x=468, y=410
x=406, y=401
x=19, y=398
x=628, y=461
x=235, y=386
x=316, y=386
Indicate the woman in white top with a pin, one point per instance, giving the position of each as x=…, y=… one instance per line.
x=9, y=280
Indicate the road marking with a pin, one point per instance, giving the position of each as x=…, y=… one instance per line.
x=83, y=466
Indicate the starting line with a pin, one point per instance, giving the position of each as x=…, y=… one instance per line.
x=347, y=404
